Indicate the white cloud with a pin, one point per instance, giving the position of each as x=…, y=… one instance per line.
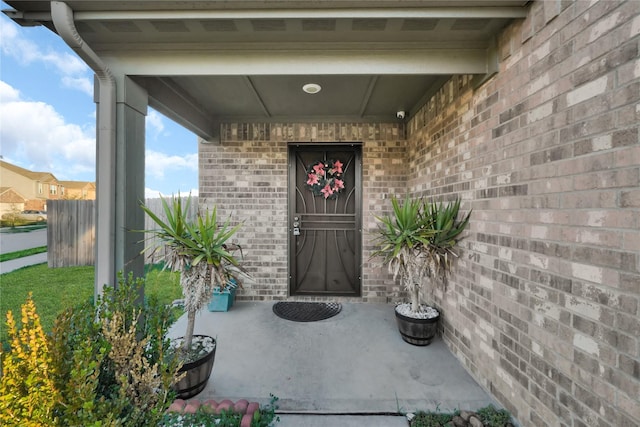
x=158, y=163
x=152, y=194
x=65, y=63
x=155, y=123
x=83, y=84
x=35, y=135
x=39, y=138
x=155, y=194
x=74, y=72
x=8, y=93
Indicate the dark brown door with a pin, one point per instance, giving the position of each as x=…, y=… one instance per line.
x=325, y=219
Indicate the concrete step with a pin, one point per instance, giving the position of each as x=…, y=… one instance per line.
x=322, y=420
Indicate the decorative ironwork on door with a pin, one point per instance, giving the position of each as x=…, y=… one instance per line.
x=325, y=219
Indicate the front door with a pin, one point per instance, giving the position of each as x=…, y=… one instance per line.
x=325, y=219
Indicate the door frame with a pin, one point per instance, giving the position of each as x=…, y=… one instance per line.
x=292, y=148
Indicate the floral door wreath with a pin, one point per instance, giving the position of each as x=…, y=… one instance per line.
x=324, y=178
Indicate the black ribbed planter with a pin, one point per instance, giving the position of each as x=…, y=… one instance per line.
x=197, y=373
x=417, y=331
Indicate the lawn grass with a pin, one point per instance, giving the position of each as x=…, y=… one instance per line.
x=19, y=254
x=55, y=289
x=20, y=226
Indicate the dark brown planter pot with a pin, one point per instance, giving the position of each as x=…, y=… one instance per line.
x=197, y=374
x=417, y=331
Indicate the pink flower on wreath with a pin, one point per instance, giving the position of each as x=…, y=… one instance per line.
x=323, y=178
x=319, y=169
x=327, y=191
x=313, y=179
x=337, y=167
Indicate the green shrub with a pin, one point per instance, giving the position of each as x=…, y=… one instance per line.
x=103, y=365
x=28, y=394
x=264, y=417
x=431, y=419
x=130, y=375
x=492, y=417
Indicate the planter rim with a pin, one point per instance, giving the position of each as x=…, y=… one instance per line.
x=417, y=319
x=197, y=372
x=421, y=305
x=204, y=358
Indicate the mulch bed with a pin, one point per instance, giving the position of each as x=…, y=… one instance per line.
x=242, y=407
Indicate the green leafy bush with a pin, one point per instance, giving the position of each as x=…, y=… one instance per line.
x=103, y=365
x=28, y=394
x=432, y=418
x=489, y=415
x=493, y=417
x=264, y=417
x=130, y=374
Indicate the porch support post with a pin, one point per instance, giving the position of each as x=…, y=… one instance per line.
x=104, y=97
x=62, y=17
x=131, y=109
x=120, y=149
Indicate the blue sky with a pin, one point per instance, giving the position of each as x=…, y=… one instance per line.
x=47, y=116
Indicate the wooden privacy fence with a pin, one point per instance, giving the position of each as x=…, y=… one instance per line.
x=71, y=230
x=70, y=233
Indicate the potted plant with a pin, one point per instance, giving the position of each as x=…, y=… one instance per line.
x=198, y=250
x=417, y=243
x=222, y=298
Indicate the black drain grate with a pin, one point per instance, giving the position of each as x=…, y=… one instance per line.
x=306, y=311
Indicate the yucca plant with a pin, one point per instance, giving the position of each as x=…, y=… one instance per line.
x=198, y=250
x=417, y=242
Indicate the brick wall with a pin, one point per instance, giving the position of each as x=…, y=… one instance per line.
x=246, y=177
x=543, y=307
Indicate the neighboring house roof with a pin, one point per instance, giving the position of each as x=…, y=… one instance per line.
x=9, y=195
x=77, y=185
x=34, y=176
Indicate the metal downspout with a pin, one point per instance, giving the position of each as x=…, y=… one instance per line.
x=62, y=16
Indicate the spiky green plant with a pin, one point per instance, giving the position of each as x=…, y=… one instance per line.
x=417, y=241
x=198, y=250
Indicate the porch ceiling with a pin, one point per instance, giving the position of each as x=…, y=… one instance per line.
x=218, y=61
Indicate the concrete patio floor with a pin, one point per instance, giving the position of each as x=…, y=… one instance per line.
x=353, y=363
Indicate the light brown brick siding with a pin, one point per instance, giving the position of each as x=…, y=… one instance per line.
x=543, y=304
x=246, y=177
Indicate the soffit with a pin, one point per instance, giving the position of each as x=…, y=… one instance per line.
x=247, y=60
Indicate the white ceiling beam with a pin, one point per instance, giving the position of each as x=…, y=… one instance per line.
x=171, y=101
x=256, y=96
x=381, y=13
x=367, y=96
x=336, y=62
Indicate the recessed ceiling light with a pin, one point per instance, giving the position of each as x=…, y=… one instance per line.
x=312, y=88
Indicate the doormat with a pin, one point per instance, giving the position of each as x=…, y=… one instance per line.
x=306, y=311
